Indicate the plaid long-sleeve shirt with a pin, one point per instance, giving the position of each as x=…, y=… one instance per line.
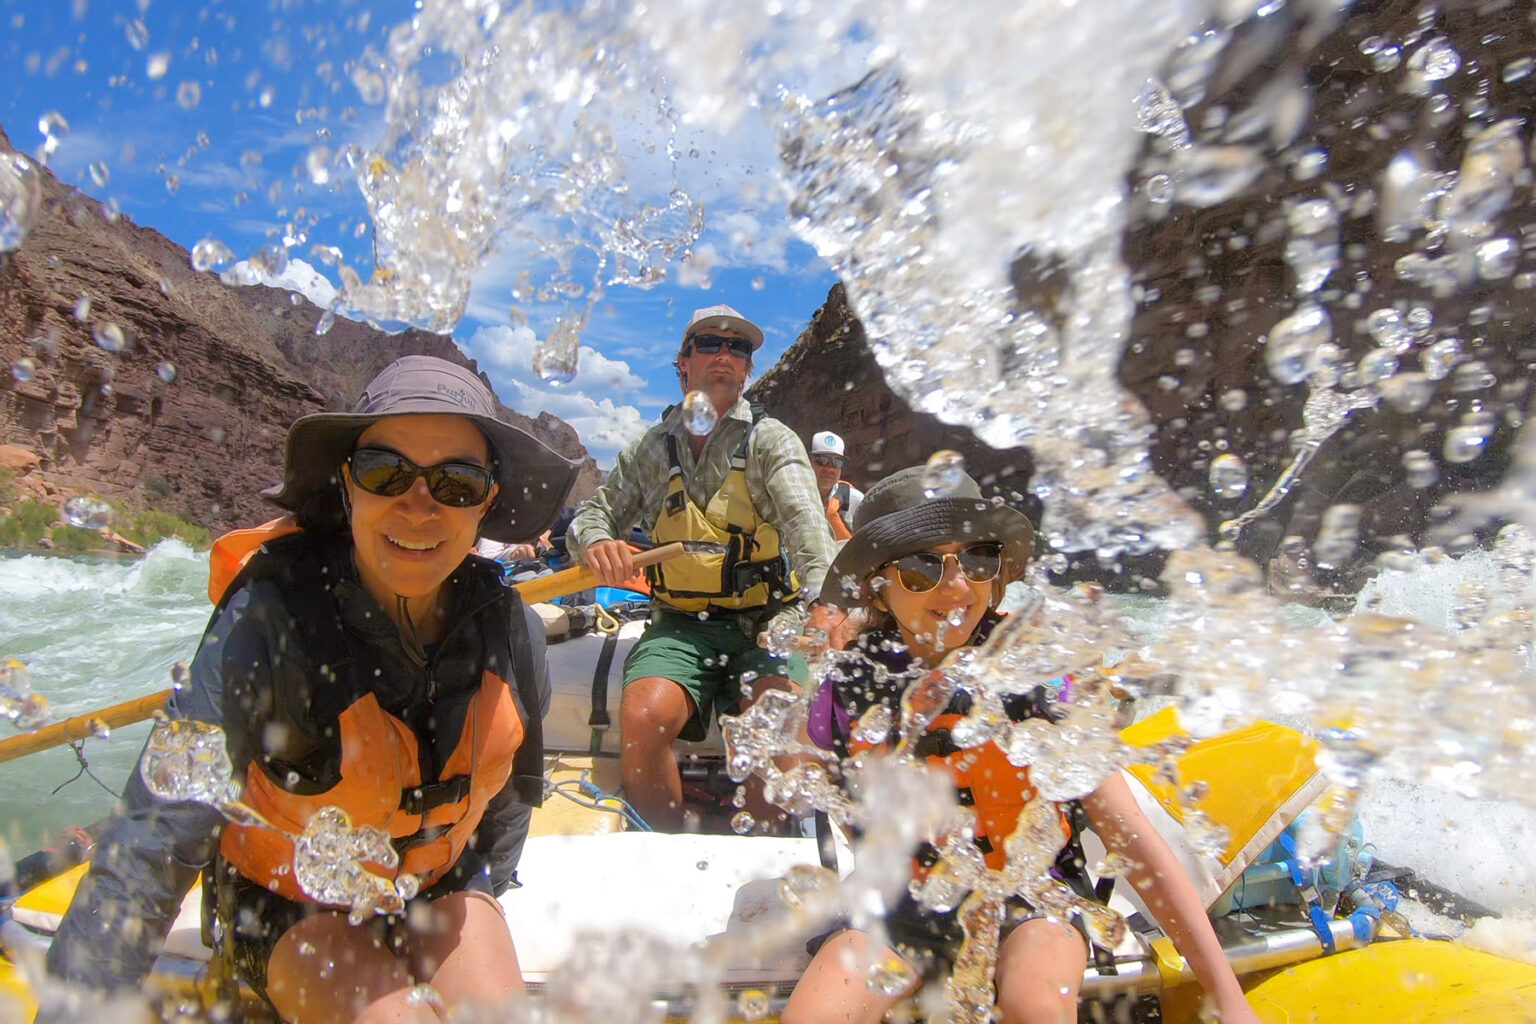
x=780, y=482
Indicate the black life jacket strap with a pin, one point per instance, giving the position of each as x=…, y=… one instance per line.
x=432, y=795
x=528, y=762
x=599, y=720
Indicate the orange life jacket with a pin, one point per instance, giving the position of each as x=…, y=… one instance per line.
x=840, y=529
x=380, y=780
x=986, y=781
x=381, y=786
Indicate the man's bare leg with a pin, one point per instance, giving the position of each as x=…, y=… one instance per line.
x=652, y=714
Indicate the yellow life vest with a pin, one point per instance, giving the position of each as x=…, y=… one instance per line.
x=752, y=571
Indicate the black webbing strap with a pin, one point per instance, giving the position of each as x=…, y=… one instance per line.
x=598, y=719
x=826, y=842
x=432, y=795
x=528, y=762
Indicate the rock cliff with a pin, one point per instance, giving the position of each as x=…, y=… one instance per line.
x=189, y=414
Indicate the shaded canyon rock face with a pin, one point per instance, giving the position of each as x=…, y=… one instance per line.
x=829, y=380
x=1325, y=109
x=190, y=415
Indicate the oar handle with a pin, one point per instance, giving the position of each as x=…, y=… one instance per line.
x=579, y=577
x=80, y=727
x=83, y=726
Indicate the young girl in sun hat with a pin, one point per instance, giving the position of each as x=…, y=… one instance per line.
x=923, y=575
x=361, y=659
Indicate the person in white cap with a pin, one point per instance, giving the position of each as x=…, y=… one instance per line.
x=839, y=497
x=740, y=483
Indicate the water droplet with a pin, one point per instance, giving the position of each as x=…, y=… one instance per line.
x=210, y=254
x=943, y=473
x=1337, y=535
x=173, y=183
x=1159, y=114
x=804, y=883
x=424, y=995
x=743, y=823
x=269, y=261
x=137, y=34
x=20, y=197
x=1384, y=54
x=874, y=725
x=1376, y=366
x=1208, y=175
x=759, y=282
x=99, y=173
x=1228, y=477
x=24, y=369
x=307, y=949
x=1438, y=359
x=1487, y=180
x=753, y=1004
x=156, y=65
x=180, y=674
x=1518, y=69
x=1408, y=392
x=52, y=125
x=1420, y=468
x=1497, y=259
x=1234, y=400
x=325, y=322
x=1468, y=439
x=555, y=359
x=370, y=85
x=187, y=760
x=109, y=337
x=88, y=513
x=1472, y=375
x=1159, y=188
x=1435, y=61
x=1388, y=330
x=892, y=976
x=1291, y=343
x=699, y=416
x=188, y=95
x=166, y=371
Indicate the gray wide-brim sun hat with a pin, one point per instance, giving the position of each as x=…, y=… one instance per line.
x=534, y=478
x=897, y=517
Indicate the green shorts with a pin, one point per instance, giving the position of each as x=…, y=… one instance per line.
x=707, y=658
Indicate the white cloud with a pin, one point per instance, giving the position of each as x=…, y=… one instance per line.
x=593, y=404
x=297, y=276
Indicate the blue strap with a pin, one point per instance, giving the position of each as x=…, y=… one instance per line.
x=1306, y=884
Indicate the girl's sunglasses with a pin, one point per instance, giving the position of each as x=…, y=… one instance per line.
x=709, y=344
x=389, y=475
x=921, y=571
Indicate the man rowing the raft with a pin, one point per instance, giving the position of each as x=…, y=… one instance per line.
x=743, y=485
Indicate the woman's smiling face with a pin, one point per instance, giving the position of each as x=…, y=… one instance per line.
x=935, y=621
x=410, y=544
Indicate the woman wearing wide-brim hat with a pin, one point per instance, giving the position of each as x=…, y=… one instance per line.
x=362, y=660
x=926, y=571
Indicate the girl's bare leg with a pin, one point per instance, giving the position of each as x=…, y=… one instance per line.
x=835, y=988
x=1039, y=972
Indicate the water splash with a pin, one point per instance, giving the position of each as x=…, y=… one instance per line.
x=18, y=703
x=699, y=416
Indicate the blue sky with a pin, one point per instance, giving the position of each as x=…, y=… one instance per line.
x=201, y=120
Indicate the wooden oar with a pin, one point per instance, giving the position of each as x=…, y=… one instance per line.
x=542, y=588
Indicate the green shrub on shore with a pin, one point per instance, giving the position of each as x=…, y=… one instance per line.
x=10, y=490
x=76, y=540
x=27, y=524
x=151, y=527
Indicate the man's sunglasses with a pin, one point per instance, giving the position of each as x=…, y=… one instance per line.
x=921, y=571
x=826, y=461
x=389, y=475
x=709, y=344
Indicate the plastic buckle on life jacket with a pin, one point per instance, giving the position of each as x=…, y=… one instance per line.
x=421, y=799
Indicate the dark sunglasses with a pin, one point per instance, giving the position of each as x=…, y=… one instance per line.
x=921, y=571
x=389, y=475
x=709, y=344
x=826, y=461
